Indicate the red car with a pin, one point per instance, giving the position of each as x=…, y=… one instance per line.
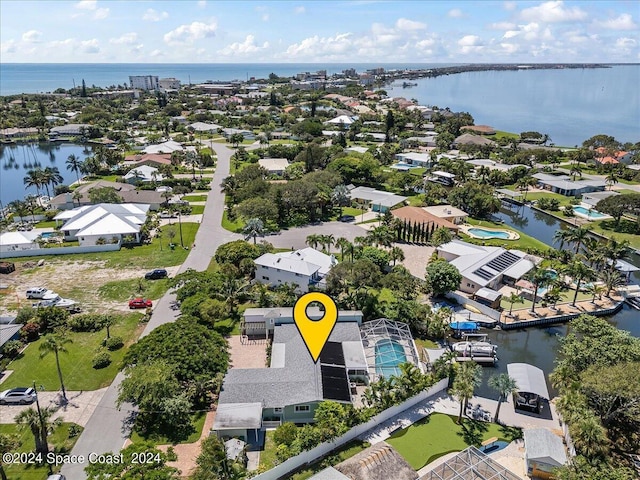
x=140, y=303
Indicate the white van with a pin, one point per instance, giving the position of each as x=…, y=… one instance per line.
x=40, y=292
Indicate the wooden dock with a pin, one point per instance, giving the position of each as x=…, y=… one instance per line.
x=535, y=322
x=478, y=359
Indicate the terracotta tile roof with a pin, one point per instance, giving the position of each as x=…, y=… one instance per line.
x=418, y=215
x=482, y=129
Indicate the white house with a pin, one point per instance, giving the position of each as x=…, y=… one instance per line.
x=301, y=267
x=415, y=158
x=144, y=174
x=341, y=120
x=166, y=147
x=17, y=241
x=275, y=166
x=108, y=221
x=377, y=200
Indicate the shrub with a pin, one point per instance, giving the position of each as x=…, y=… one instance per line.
x=25, y=314
x=85, y=322
x=114, y=343
x=74, y=430
x=12, y=348
x=30, y=332
x=101, y=360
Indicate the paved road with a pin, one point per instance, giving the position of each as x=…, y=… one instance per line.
x=108, y=428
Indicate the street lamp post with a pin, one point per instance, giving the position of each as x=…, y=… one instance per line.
x=180, y=227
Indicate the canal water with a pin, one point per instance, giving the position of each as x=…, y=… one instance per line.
x=539, y=345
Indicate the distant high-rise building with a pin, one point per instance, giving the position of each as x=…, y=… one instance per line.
x=169, y=84
x=144, y=82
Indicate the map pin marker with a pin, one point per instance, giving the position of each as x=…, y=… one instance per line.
x=315, y=333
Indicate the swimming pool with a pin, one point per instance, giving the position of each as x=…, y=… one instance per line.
x=482, y=233
x=493, y=447
x=48, y=234
x=590, y=214
x=389, y=355
x=403, y=166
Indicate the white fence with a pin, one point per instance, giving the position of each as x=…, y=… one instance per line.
x=28, y=218
x=37, y=252
x=294, y=463
x=485, y=310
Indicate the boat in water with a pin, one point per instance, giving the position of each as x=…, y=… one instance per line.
x=474, y=349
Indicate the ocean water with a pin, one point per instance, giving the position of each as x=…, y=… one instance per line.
x=569, y=105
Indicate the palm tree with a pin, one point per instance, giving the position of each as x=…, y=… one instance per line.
x=39, y=424
x=590, y=437
x=505, y=386
x=55, y=343
x=396, y=254
x=540, y=278
x=34, y=179
x=253, y=228
x=31, y=204
x=8, y=444
x=52, y=176
x=576, y=170
x=611, y=179
x=562, y=236
x=579, y=272
x=313, y=240
x=596, y=291
x=553, y=296
x=19, y=208
x=342, y=243
x=326, y=241
x=614, y=250
x=611, y=279
x=513, y=298
x=577, y=236
x=468, y=377
x=74, y=164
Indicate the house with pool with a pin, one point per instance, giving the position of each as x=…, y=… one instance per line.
x=485, y=270
x=293, y=385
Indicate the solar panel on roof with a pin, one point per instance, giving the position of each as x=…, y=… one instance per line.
x=335, y=384
x=332, y=354
x=503, y=261
x=482, y=273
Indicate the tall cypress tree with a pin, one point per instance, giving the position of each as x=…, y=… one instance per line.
x=84, y=89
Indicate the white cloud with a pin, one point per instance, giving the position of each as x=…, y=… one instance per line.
x=152, y=15
x=626, y=43
x=471, y=44
x=156, y=53
x=510, y=48
x=190, y=33
x=553, y=12
x=90, y=46
x=101, y=14
x=321, y=46
x=202, y=3
x=502, y=26
x=623, y=22
x=246, y=47
x=9, y=46
x=87, y=5
x=510, y=6
x=455, y=13
x=32, y=36
x=409, y=25
x=265, y=17
x=510, y=34
x=126, y=39
x=299, y=10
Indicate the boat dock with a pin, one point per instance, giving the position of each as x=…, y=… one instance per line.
x=631, y=294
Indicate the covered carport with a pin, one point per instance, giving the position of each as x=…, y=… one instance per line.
x=532, y=387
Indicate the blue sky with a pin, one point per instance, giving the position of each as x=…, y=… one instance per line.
x=358, y=31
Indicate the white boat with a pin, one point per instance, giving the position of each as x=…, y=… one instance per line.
x=475, y=349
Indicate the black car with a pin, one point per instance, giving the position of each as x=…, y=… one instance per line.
x=347, y=218
x=155, y=274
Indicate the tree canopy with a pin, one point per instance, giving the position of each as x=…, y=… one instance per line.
x=442, y=277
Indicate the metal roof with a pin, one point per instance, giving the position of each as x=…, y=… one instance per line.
x=544, y=446
x=470, y=464
x=529, y=378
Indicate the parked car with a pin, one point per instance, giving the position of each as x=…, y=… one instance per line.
x=140, y=303
x=57, y=476
x=18, y=396
x=155, y=274
x=40, y=293
x=347, y=218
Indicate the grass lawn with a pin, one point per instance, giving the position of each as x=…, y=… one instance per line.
x=426, y=343
x=197, y=209
x=597, y=227
x=77, y=371
x=564, y=200
x=195, y=198
x=347, y=211
x=416, y=200
x=155, y=255
x=59, y=438
x=46, y=224
x=525, y=241
x=502, y=134
x=567, y=297
x=122, y=290
x=197, y=421
x=236, y=226
x=439, y=434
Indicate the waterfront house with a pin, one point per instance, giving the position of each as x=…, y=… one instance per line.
x=143, y=174
x=590, y=200
x=486, y=267
x=415, y=158
x=606, y=157
x=66, y=131
x=448, y=213
x=302, y=268
x=165, y=147
x=151, y=159
x=260, y=322
x=470, y=139
x=563, y=184
x=543, y=452
x=127, y=192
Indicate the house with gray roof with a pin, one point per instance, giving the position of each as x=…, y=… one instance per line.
x=544, y=451
x=564, y=185
x=293, y=386
x=376, y=200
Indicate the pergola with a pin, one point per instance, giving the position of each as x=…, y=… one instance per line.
x=470, y=464
x=386, y=345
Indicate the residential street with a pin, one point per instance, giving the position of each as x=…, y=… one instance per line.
x=107, y=429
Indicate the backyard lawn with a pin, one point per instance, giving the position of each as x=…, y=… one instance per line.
x=59, y=438
x=197, y=209
x=76, y=364
x=197, y=422
x=525, y=241
x=195, y=198
x=439, y=434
